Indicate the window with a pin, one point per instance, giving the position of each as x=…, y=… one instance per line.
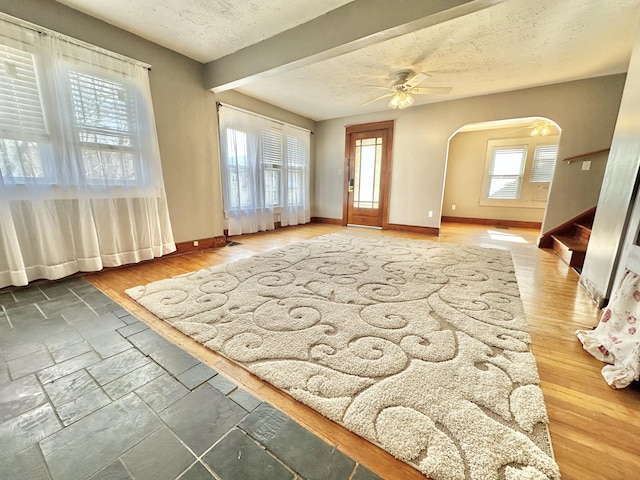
x=544, y=162
x=104, y=120
x=283, y=161
x=506, y=171
x=265, y=172
x=94, y=112
x=517, y=172
x=271, y=149
x=237, y=159
x=297, y=155
x=80, y=172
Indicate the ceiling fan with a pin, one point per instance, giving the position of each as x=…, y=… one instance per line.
x=405, y=84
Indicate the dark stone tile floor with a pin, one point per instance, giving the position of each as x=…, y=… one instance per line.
x=87, y=391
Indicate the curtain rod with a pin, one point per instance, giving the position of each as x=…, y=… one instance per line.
x=249, y=112
x=46, y=31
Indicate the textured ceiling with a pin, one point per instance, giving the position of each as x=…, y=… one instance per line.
x=510, y=45
x=205, y=29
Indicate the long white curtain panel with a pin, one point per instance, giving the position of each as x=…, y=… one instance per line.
x=265, y=172
x=81, y=184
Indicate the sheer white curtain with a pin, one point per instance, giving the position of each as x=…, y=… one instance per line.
x=295, y=207
x=247, y=208
x=81, y=184
x=265, y=172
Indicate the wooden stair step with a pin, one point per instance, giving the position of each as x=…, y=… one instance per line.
x=583, y=231
x=576, y=226
x=588, y=224
x=575, y=244
x=571, y=250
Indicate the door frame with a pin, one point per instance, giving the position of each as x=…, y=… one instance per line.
x=385, y=168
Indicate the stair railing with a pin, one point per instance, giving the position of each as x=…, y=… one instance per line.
x=583, y=155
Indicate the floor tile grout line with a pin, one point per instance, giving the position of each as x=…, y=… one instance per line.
x=151, y=361
x=266, y=449
x=164, y=424
x=46, y=465
x=181, y=474
x=6, y=315
x=53, y=407
x=353, y=472
x=43, y=293
x=35, y=304
x=82, y=300
x=65, y=319
x=198, y=459
x=124, y=465
x=237, y=425
x=119, y=457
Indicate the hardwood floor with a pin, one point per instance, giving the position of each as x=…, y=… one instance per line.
x=595, y=430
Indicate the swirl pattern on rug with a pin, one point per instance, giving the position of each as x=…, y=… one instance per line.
x=420, y=347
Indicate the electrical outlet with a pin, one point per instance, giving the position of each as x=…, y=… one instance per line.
x=453, y=207
x=586, y=165
x=195, y=243
x=430, y=214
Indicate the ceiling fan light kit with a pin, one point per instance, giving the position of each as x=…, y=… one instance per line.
x=540, y=129
x=401, y=100
x=404, y=85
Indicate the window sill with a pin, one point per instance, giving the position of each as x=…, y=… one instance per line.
x=513, y=203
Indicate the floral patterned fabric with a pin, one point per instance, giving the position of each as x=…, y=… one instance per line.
x=616, y=339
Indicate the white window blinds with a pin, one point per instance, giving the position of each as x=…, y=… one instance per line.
x=544, y=163
x=505, y=172
x=271, y=154
x=20, y=104
x=22, y=124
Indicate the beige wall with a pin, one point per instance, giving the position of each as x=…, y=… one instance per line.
x=465, y=173
x=585, y=110
x=184, y=112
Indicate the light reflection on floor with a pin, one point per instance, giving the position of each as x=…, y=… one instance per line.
x=505, y=237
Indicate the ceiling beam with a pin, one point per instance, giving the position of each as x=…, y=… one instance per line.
x=353, y=26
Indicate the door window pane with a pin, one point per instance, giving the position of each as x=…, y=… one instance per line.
x=368, y=162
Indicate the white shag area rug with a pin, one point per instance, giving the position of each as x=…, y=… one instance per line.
x=420, y=347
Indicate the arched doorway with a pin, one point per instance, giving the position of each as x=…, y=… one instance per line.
x=500, y=172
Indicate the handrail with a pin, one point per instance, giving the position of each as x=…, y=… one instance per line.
x=588, y=154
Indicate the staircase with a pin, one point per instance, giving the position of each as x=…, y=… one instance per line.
x=570, y=240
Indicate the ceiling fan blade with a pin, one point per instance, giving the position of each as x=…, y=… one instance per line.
x=379, y=98
x=430, y=90
x=385, y=87
x=416, y=80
